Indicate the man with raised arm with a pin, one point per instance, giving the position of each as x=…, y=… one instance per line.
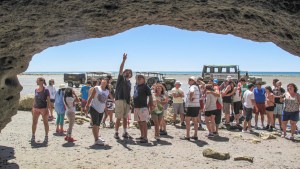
x=122, y=98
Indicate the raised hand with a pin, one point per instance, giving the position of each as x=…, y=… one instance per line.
x=124, y=56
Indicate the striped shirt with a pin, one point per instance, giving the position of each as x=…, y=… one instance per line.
x=196, y=97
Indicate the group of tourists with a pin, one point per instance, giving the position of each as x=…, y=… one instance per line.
x=237, y=101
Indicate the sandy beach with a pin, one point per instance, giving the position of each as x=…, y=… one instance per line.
x=170, y=152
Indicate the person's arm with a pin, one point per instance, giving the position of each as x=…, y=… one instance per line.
x=226, y=90
x=91, y=96
x=165, y=101
x=48, y=101
x=207, y=102
x=76, y=97
x=233, y=91
x=215, y=93
x=122, y=64
x=150, y=102
x=254, y=104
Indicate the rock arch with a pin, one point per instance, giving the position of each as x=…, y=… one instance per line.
x=30, y=26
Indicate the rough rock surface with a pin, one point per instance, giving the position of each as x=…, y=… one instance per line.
x=209, y=153
x=30, y=26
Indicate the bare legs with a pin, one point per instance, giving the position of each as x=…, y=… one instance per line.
x=188, y=126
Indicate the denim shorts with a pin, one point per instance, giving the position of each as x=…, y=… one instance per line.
x=293, y=116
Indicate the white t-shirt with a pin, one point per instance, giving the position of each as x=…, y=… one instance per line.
x=236, y=96
x=70, y=106
x=195, y=103
x=248, y=96
x=52, y=91
x=99, y=101
x=177, y=91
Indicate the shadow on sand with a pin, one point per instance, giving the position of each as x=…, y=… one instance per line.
x=7, y=153
x=219, y=139
x=97, y=147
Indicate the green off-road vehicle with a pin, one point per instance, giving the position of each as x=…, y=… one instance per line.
x=156, y=77
x=221, y=72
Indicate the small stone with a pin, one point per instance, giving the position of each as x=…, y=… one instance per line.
x=244, y=158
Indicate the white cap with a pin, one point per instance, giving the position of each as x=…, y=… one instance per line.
x=193, y=78
x=228, y=78
x=177, y=82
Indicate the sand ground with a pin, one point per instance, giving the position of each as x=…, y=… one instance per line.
x=170, y=152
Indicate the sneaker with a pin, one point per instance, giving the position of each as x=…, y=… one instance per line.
x=46, y=139
x=216, y=133
x=210, y=135
x=103, y=125
x=270, y=129
x=195, y=138
x=200, y=127
x=163, y=133
x=185, y=138
x=32, y=139
x=71, y=140
x=99, y=143
x=256, y=128
x=183, y=124
x=111, y=124
x=126, y=135
x=267, y=127
x=116, y=136
x=144, y=140
x=101, y=139
x=157, y=138
x=244, y=131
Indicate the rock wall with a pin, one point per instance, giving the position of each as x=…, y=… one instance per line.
x=30, y=26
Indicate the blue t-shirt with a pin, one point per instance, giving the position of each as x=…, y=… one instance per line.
x=259, y=95
x=85, y=92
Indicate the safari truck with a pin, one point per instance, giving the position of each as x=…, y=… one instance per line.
x=80, y=78
x=156, y=77
x=98, y=75
x=74, y=79
x=221, y=72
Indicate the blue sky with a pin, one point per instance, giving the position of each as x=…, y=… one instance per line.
x=164, y=48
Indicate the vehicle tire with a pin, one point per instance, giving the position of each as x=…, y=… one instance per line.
x=169, y=86
x=70, y=84
x=77, y=85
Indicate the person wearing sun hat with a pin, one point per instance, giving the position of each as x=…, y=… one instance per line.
x=141, y=112
x=177, y=104
x=193, y=108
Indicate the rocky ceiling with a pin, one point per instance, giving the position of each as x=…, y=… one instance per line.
x=30, y=26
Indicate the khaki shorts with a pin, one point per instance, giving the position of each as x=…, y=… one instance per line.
x=226, y=108
x=122, y=109
x=141, y=114
x=178, y=108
